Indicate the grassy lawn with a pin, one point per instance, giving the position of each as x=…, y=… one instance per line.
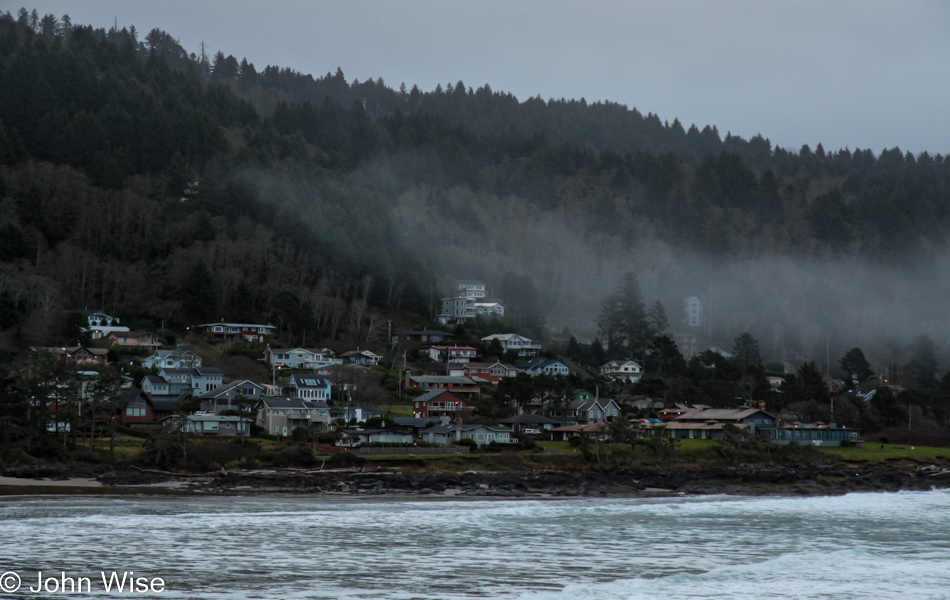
x=400, y=411
x=688, y=444
x=563, y=446
x=873, y=453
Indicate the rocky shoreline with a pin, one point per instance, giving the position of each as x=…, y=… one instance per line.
x=539, y=483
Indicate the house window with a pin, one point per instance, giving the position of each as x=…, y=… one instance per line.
x=136, y=408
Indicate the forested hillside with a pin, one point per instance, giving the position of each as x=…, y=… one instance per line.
x=329, y=206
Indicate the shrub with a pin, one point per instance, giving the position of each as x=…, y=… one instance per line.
x=467, y=442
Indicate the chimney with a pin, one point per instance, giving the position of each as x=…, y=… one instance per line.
x=458, y=430
x=445, y=420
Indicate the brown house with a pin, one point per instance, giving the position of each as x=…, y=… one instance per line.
x=134, y=339
x=436, y=403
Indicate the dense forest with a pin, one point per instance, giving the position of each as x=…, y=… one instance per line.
x=166, y=186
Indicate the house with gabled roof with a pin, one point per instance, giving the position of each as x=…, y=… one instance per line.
x=310, y=387
x=280, y=416
x=445, y=435
x=512, y=341
x=361, y=357
x=625, y=371
x=452, y=354
x=547, y=366
x=750, y=418
x=78, y=354
x=179, y=358
x=436, y=403
x=583, y=410
x=210, y=424
x=464, y=386
x=300, y=358
x=237, y=394
x=134, y=339
x=492, y=372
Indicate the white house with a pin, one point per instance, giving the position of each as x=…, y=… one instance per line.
x=456, y=310
x=452, y=354
x=444, y=435
x=627, y=371
x=179, y=358
x=471, y=289
x=489, y=308
x=299, y=358
x=310, y=387
x=513, y=341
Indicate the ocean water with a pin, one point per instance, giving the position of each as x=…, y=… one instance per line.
x=874, y=545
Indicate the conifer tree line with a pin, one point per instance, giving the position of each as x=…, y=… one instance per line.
x=328, y=205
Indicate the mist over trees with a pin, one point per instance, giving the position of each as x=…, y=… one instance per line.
x=329, y=206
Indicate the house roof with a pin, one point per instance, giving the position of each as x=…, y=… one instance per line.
x=505, y=337
x=208, y=371
x=59, y=350
x=539, y=363
x=589, y=403
x=620, y=363
x=164, y=402
x=721, y=414
x=485, y=365
x=465, y=428
x=585, y=428
x=435, y=394
x=219, y=418
x=223, y=389
x=442, y=379
x=283, y=402
x=674, y=425
x=155, y=380
x=306, y=380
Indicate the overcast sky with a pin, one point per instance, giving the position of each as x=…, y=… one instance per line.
x=858, y=74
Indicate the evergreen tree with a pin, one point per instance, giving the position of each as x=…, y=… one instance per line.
x=924, y=362
x=855, y=365
x=623, y=321
x=656, y=320
x=746, y=351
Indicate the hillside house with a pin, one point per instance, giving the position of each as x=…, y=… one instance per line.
x=456, y=310
x=452, y=354
x=445, y=435
x=248, y=332
x=280, y=416
x=239, y=394
x=489, y=372
x=310, y=387
x=179, y=358
x=134, y=339
x=437, y=403
x=624, y=371
x=463, y=386
x=546, y=366
x=525, y=347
